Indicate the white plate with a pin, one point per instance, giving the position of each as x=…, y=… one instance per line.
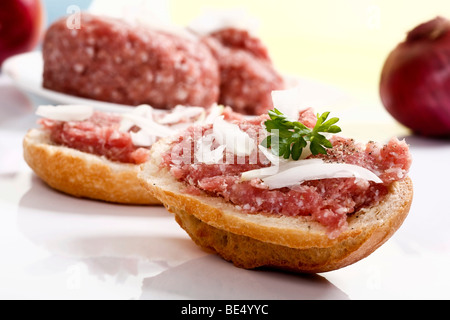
x=26, y=72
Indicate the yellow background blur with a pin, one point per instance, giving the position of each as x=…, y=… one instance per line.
x=340, y=42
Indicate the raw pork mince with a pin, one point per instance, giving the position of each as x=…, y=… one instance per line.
x=99, y=135
x=328, y=201
x=247, y=75
x=111, y=60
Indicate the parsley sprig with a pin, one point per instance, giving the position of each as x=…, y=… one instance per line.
x=288, y=138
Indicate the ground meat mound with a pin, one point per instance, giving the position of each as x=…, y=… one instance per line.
x=247, y=75
x=111, y=60
x=115, y=61
x=328, y=201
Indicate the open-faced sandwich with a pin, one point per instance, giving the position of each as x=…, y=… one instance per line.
x=96, y=155
x=280, y=192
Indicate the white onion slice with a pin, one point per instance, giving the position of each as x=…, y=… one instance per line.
x=288, y=102
x=260, y=173
x=230, y=135
x=275, y=160
x=181, y=112
x=148, y=125
x=279, y=161
x=300, y=173
x=65, y=113
x=205, y=154
x=213, y=112
x=142, y=139
x=142, y=116
x=282, y=166
x=144, y=111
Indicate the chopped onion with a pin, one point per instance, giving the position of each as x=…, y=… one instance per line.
x=279, y=161
x=282, y=166
x=181, y=112
x=144, y=111
x=204, y=152
x=148, y=125
x=287, y=101
x=260, y=173
x=213, y=112
x=142, y=139
x=142, y=117
x=297, y=174
x=65, y=113
x=230, y=135
x=278, y=165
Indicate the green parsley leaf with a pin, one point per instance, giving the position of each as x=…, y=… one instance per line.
x=288, y=138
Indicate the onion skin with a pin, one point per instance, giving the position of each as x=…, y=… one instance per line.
x=415, y=80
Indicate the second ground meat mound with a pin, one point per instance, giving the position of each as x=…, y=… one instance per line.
x=111, y=60
x=247, y=75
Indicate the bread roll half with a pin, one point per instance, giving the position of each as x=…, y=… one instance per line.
x=82, y=174
x=254, y=240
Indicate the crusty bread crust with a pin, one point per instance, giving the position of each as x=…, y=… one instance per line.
x=294, y=243
x=84, y=175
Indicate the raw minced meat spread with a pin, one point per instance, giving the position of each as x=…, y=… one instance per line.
x=99, y=135
x=328, y=201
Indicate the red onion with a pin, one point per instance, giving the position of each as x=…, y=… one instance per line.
x=415, y=80
x=21, y=25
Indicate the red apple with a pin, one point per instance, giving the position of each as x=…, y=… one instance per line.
x=21, y=26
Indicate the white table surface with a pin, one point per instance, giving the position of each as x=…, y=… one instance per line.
x=53, y=246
